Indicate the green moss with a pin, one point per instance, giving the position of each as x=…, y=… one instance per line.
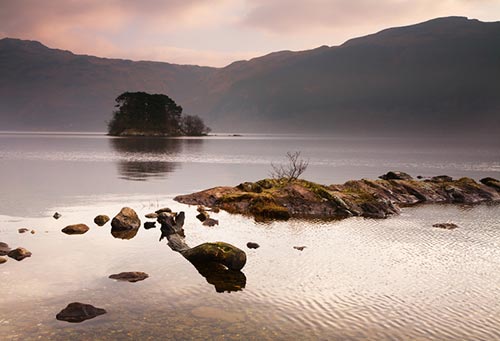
x=265, y=208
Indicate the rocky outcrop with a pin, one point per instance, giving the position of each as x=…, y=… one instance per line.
x=280, y=199
x=490, y=182
x=75, y=229
x=125, y=220
x=101, y=219
x=78, y=312
x=134, y=276
x=19, y=254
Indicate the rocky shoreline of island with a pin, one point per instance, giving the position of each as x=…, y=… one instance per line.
x=281, y=199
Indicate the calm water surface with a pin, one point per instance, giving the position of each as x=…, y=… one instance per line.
x=357, y=278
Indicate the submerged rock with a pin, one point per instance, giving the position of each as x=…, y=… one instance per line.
x=151, y=215
x=252, y=245
x=4, y=249
x=23, y=230
x=75, y=229
x=101, y=219
x=19, y=254
x=3, y=260
x=219, y=252
x=127, y=219
x=210, y=222
x=447, y=226
x=396, y=175
x=149, y=225
x=57, y=215
x=134, y=276
x=78, y=312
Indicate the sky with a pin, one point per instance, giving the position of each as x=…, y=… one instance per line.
x=215, y=32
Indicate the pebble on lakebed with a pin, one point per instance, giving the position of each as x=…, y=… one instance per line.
x=134, y=276
x=78, y=312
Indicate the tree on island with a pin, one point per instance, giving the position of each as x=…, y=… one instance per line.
x=140, y=113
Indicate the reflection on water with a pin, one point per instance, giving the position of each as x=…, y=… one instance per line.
x=124, y=234
x=141, y=157
x=223, y=279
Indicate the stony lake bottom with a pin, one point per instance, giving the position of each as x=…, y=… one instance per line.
x=397, y=278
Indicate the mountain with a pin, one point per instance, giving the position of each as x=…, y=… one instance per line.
x=440, y=76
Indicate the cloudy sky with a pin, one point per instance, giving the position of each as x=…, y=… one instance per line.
x=215, y=32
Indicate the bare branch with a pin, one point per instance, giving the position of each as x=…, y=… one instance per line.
x=292, y=170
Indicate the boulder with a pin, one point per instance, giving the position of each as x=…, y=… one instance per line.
x=210, y=222
x=149, y=225
x=446, y=226
x=126, y=220
x=132, y=277
x=19, y=254
x=57, y=215
x=252, y=245
x=491, y=182
x=75, y=229
x=442, y=178
x=4, y=249
x=162, y=210
x=78, y=312
x=396, y=175
x=101, y=219
x=3, y=260
x=23, y=230
x=151, y=215
x=219, y=252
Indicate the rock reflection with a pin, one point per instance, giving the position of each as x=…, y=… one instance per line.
x=222, y=278
x=143, y=157
x=124, y=234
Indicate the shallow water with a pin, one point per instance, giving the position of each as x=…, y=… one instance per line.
x=398, y=278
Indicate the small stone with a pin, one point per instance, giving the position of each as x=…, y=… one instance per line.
x=132, y=277
x=300, y=248
x=78, y=312
x=165, y=209
x=149, y=225
x=57, y=215
x=23, y=230
x=19, y=254
x=446, y=226
x=151, y=215
x=3, y=260
x=33, y=232
x=202, y=216
x=210, y=222
x=101, y=219
x=75, y=229
x=4, y=249
x=252, y=245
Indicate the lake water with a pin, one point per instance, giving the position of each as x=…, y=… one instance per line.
x=397, y=278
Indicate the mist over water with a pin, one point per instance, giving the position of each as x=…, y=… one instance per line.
x=397, y=278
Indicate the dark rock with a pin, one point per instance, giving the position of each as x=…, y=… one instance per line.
x=78, y=312
x=218, y=252
x=447, y=226
x=132, y=277
x=250, y=187
x=126, y=220
x=22, y=230
x=32, y=231
x=151, y=215
x=4, y=249
x=101, y=219
x=57, y=215
x=163, y=210
x=300, y=248
x=252, y=245
x=75, y=229
x=396, y=175
x=202, y=216
x=442, y=178
x=3, y=260
x=491, y=182
x=149, y=225
x=210, y=222
x=19, y=254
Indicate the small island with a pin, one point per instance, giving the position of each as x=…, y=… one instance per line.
x=143, y=114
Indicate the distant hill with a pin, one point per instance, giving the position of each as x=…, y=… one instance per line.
x=440, y=76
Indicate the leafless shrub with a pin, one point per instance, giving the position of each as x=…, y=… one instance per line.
x=290, y=171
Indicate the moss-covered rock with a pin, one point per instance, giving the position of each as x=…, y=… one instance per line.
x=218, y=252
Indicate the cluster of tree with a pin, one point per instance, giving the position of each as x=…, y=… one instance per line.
x=140, y=113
